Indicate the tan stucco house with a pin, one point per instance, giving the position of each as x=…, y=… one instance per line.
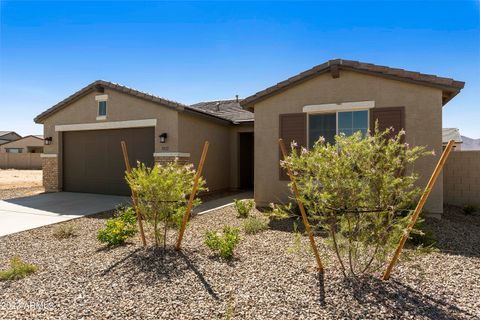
x=27, y=144
x=85, y=129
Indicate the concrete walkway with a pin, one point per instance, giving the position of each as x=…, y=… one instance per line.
x=32, y=212
x=221, y=202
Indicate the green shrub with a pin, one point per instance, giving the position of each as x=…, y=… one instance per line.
x=223, y=244
x=162, y=195
x=64, y=231
x=356, y=190
x=420, y=236
x=244, y=207
x=469, y=209
x=18, y=269
x=118, y=229
x=253, y=225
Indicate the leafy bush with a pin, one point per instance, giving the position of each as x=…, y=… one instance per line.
x=469, y=209
x=253, y=225
x=420, y=236
x=18, y=269
x=118, y=229
x=244, y=207
x=223, y=244
x=357, y=190
x=64, y=231
x=162, y=194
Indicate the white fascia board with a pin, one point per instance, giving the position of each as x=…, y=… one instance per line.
x=171, y=154
x=102, y=97
x=357, y=105
x=48, y=155
x=107, y=125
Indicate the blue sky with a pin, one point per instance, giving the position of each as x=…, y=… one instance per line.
x=198, y=51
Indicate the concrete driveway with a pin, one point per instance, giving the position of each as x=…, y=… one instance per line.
x=32, y=212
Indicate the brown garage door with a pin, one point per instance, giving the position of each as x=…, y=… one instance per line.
x=93, y=160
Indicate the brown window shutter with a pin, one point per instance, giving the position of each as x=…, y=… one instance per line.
x=388, y=117
x=293, y=127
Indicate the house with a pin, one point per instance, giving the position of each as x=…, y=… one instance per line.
x=84, y=133
x=452, y=134
x=7, y=136
x=27, y=144
x=84, y=130
x=346, y=96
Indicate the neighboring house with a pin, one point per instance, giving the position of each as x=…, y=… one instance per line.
x=27, y=144
x=346, y=96
x=7, y=136
x=452, y=134
x=84, y=130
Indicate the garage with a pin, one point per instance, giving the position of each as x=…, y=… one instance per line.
x=93, y=160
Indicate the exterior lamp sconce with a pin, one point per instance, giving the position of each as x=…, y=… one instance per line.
x=163, y=137
x=47, y=141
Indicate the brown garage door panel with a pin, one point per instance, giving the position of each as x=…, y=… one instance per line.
x=93, y=160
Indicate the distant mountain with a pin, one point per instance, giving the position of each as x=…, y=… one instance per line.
x=470, y=144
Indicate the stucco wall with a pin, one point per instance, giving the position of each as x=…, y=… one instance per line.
x=193, y=132
x=423, y=122
x=461, y=178
x=120, y=107
x=29, y=141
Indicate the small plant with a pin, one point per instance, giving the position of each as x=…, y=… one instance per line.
x=223, y=244
x=253, y=225
x=18, y=269
x=118, y=229
x=64, y=231
x=469, y=209
x=244, y=207
x=162, y=192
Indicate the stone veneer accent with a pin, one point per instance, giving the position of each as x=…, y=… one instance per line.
x=50, y=174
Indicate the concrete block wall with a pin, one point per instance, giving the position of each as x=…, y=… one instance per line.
x=461, y=178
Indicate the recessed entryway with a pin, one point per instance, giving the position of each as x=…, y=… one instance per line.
x=246, y=158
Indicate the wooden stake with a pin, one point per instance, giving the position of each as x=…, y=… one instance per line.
x=418, y=209
x=302, y=209
x=134, y=195
x=186, y=217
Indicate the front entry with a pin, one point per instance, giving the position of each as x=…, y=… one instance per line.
x=246, y=159
x=93, y=160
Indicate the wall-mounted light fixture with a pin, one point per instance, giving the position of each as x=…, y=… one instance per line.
x=163, y=137
x=47, y=141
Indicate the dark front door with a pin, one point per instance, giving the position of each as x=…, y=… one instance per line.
x=246, y=160
x=93, y=160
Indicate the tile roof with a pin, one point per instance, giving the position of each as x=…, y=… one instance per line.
x=227, y=109
x=3, y=133
x=231, y=111
x=98, y=85
x=451, y=134
x=449, y=86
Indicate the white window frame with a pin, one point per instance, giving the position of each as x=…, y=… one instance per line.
x=100, y=98
x=337, y=108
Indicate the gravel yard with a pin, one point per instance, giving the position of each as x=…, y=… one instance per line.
x=20, y=183
x=268, y=279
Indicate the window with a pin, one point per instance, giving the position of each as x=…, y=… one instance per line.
x=14, y=150
x=102, y=108
x=328, y=125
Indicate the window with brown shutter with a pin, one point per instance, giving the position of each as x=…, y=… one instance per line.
x=293, y=127
x=388, y=117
